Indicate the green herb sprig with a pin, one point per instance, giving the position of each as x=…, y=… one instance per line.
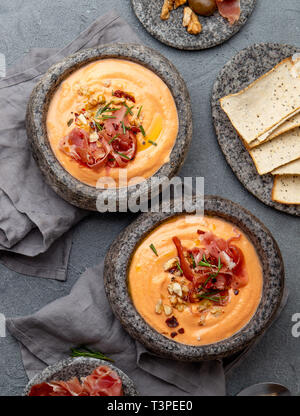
x=86, y=352
x=153, y=249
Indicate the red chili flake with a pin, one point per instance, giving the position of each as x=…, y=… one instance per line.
x=135, y=130
x=83, y=109
x=200, y=232
x=174, y=334
x=120, y=94
x=172, y=322
x=76, y=114
x=116, y=127
x=181, y=331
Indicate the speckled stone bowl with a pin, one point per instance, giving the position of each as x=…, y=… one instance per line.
x=244, y=68
x=69, y=188
x=115, y=277
x=78, y=367
x=216, y=29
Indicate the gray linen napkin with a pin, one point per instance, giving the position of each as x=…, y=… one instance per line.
x=84, y=317
x=33, y=219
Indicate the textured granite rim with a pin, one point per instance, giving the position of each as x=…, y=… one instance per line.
x=244, y=68
x=117, y=263
x=69, y=188
x=78, y=367
x=216, y=30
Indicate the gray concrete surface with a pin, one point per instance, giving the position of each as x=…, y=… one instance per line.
x=53, y=23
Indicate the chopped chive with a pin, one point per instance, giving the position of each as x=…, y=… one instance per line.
x=102, y=110
x=123, y=127
x=139, y=112
x=179, y=268
x=193, y=259
x=153, y=249
x=98, y=125
x=142, y=130
x=154, y=144
x=214, y=299
x=122, y=154
x=128, y=110
x=114, y=138
x=70, y=122
x=105, y=117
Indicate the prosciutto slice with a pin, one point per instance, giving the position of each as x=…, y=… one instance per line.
x=102, y=382
x=76, y=144
x=117, y=144
x=214, y=268
x=229, y=9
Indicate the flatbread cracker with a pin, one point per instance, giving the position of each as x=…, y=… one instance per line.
x=292, y=168
x=266, y=103
x=286, y=189
x=288, y=125
x=277, y=152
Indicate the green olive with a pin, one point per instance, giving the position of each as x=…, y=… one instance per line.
x=203, y=7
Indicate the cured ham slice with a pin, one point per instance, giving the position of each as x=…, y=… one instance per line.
x=115, y=147
x=229, y=9
x=102, y=382
x=76, y=144
x=214, y=268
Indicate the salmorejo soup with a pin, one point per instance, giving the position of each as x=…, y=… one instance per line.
x=112, y=115
x=196, y=280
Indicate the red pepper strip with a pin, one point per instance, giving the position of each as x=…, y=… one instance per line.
x=184, y=264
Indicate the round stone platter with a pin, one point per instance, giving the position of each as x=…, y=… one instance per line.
x=117, y=264
x=78, y=367
x=215, y=29
x=244, y=68
x=68, y=187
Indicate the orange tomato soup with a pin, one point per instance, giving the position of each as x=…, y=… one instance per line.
x=148, y=282
x=159, y=116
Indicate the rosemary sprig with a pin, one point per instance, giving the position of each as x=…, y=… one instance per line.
x=69, y=123
x=153, y=249
x=154, y=144
x=86, y=352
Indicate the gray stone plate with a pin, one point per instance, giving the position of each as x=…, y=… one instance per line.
x=216, y=29
x=78, y=367
x=244, y=68
x=117, y=264
x=69, y=188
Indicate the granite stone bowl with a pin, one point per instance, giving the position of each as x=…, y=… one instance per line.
x=117, y=264
x=64, y=184
x=215, y=29
x=78, y=367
